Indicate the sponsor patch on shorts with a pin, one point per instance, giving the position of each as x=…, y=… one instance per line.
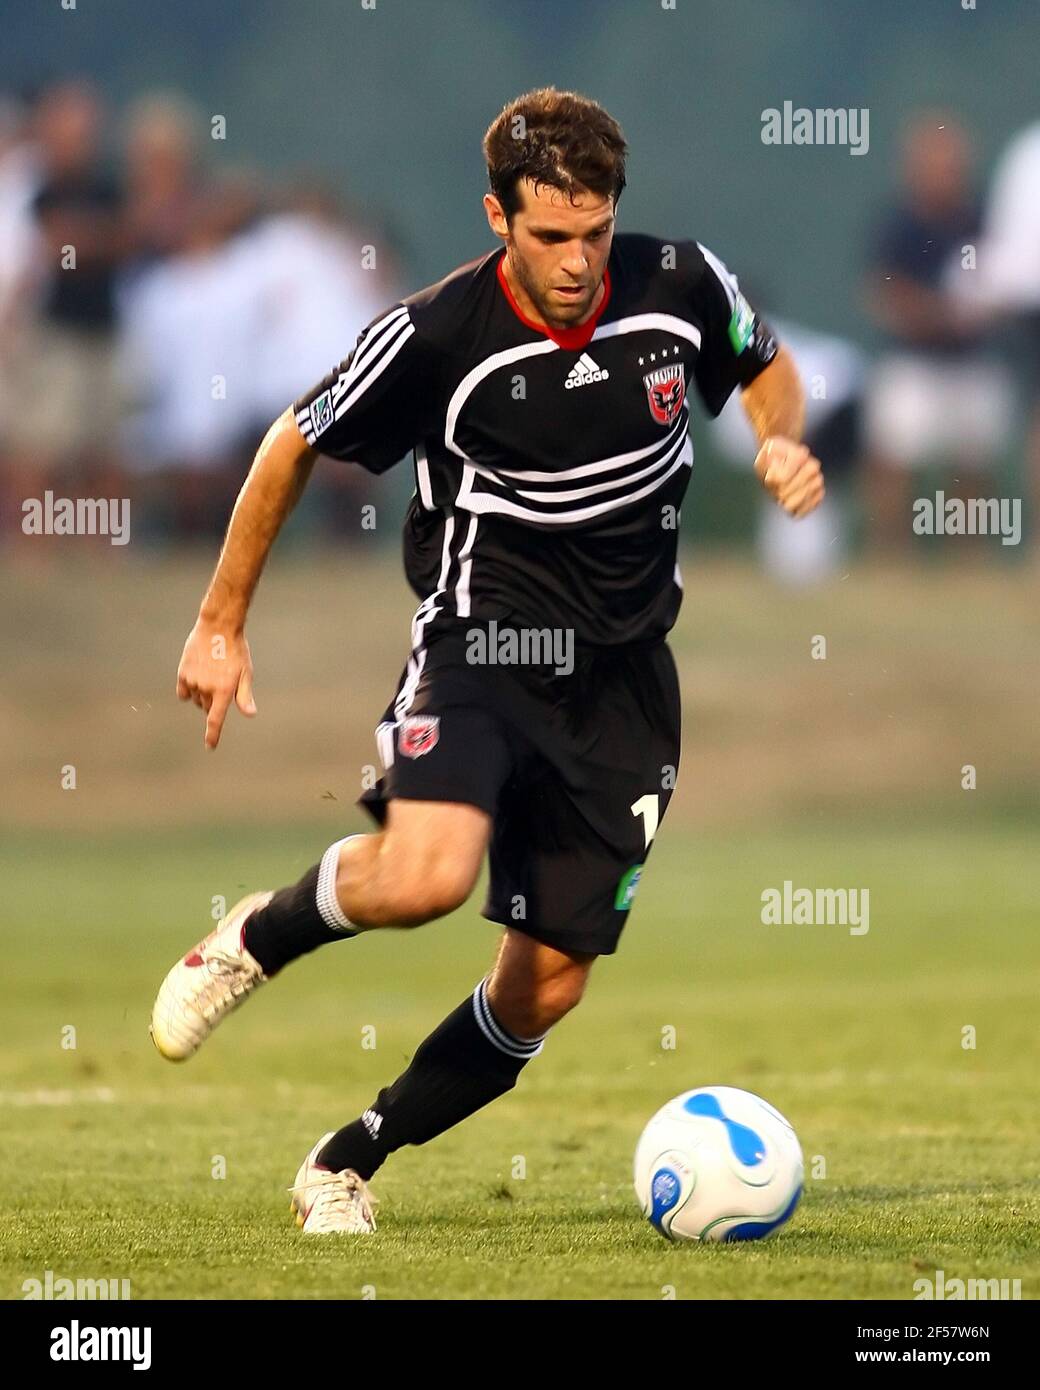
x=626, y=889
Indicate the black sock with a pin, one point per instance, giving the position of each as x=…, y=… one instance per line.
x=299, y=919
x=467, y=1061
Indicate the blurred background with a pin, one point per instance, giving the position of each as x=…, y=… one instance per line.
x=246, y=186
x=241, y=198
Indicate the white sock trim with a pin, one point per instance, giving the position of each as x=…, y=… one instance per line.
x=495, y=1033
x=327, y=903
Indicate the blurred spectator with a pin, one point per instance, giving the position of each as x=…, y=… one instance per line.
x=245, y=311
x=1009, y=271
x=177, y=318
x=938, y=398
x=20, y=177
x=164, y=177
x=62, y=374
x=833, y=374
x=1011, y=264
x=314, y=293
x=316, y=290
x=189, y=334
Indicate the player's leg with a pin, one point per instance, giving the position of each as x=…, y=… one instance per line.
x=474, y=1056
x=571, y=835
x=533, y=985
x=444, y=773
x=422, y=865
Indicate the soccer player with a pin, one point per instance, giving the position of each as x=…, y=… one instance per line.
x=542, y=389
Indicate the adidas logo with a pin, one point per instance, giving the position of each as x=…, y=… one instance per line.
x=584, y=372
x=372, y=1120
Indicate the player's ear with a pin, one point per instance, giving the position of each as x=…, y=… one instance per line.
x=495, y=215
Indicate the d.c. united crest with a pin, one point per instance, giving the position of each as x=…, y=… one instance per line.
x=418, y=734
x=666, y=391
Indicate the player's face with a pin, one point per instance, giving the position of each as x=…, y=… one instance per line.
x=557, y=249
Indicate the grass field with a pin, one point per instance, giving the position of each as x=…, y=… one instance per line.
x=929, y=1149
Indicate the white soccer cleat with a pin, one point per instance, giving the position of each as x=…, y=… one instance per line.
x=208, y=984
x=326, y=1203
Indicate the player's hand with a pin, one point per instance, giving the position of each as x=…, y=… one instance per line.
x=791, y=473
x=215, y=669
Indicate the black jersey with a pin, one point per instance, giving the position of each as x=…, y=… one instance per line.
x=549, y=464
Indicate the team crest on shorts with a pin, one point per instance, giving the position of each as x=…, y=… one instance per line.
x=321, y=412
x=666, y=391
x=418, y=734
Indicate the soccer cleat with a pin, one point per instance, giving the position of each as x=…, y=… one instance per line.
x=208, y=984
x=327, y=1203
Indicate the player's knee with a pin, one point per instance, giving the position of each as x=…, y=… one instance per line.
x=409, y=892
x=433, y=892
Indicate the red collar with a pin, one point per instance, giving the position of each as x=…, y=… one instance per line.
x=573, y=339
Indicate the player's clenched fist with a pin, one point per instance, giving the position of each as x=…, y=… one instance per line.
x=215, y=669
x=791, y=473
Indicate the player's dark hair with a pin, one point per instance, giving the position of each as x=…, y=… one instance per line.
x=555, y=138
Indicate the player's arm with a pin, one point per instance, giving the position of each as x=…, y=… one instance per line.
x=739, y=349
x=775, y=405
x=369, y=411
x=216, y=667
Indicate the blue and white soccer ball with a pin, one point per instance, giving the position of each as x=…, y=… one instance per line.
x=718, y=1164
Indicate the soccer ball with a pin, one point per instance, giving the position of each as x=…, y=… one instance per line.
x=718, y=1164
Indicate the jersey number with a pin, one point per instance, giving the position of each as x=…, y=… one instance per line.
x=649, y=807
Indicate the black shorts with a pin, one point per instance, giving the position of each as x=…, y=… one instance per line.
x=576, y=770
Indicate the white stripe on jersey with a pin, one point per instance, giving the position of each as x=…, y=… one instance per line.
x=670, y=323
x=724, y=275
x=369, y=348
x=384, y=361
x=385, y=743
x=574, y=493
x=484, y=503
x=586, y=470
x=424, y=614
x=473, y=379
x=381, y=346
x=422, y=477
x=465, y=570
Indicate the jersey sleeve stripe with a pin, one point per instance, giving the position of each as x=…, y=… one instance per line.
x=376, y=372
x=368, y=349
x=725, y=277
